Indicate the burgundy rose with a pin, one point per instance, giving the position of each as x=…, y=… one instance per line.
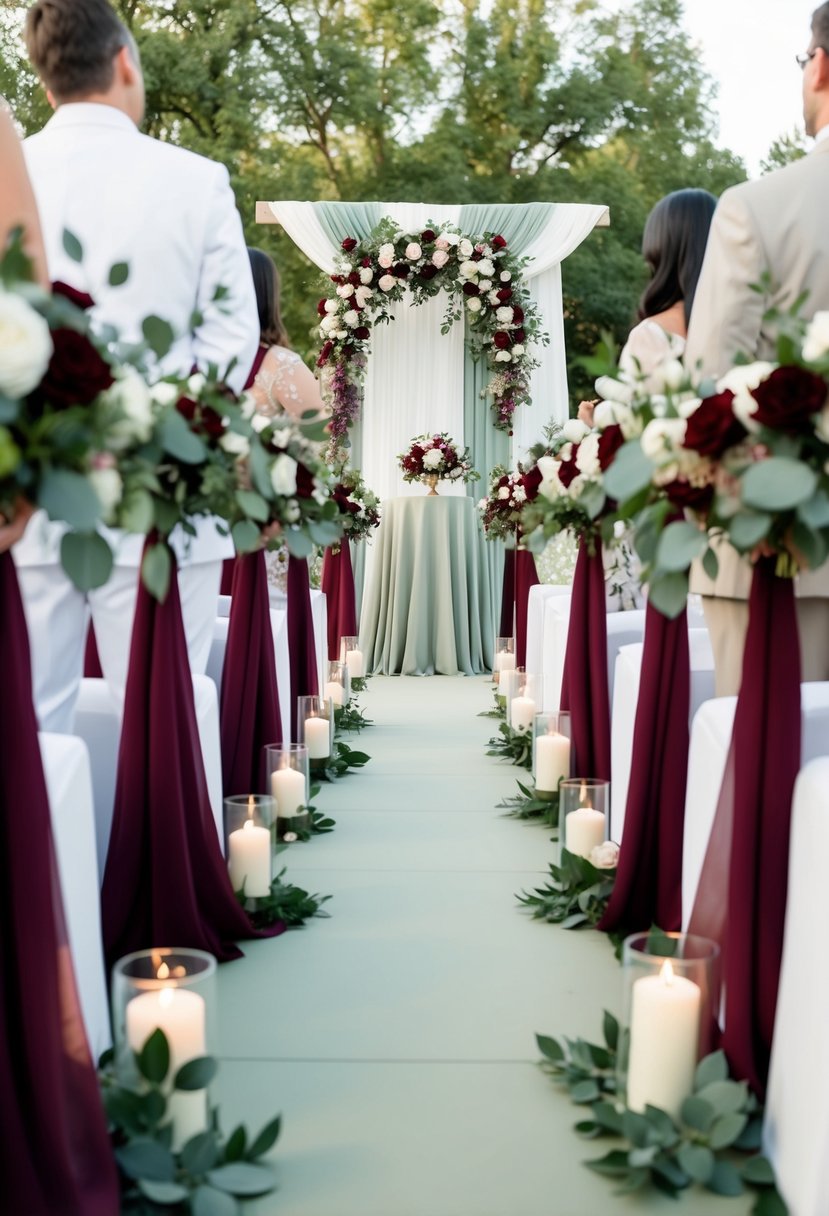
x=504, y=294
x=428, y=271
x=610, y=440
x=518, y=335
x=568, y=470
x=713, y=426
x=81, y=299
x=366, y=262
x=324, y=353
x=498, y=242
x=400, y=271
x=788, y=399
x=471, y=289
x=321, y=309
x=531, y=481
x=345, y=504
x=517, y=314
x=304, y=482
x=202, y=418
x=428, y=235
x=353, y=278
x=683, y=494
x=338, y=279
x=362, y=332
x=76, y=373
x=416, y=453
x=477, y=254
x=502, y=340
x=349, y=243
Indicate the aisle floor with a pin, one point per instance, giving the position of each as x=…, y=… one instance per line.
x=397, y=1037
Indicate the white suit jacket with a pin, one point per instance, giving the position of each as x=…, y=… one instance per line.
x=777, y=225
x=169, y=214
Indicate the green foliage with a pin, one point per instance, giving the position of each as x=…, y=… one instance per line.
x=512, y=745
x=577, y=895
x=350, y=718
x=343, y=761
x=287, y=903
x=528, y=806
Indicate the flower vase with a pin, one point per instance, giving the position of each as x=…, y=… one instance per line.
x=431, y=480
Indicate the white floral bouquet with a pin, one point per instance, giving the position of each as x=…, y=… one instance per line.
x=436, y=455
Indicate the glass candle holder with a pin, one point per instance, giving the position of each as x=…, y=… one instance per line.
x=335, y=684
x=583, y=807
x=525, y=702
x=551, y=753
x=509, y=683
x=315, y=727
x=671, y=999
x=504, y=659
x=353, y=657
x=250, y=834
x=289, y=781
x=172, y=990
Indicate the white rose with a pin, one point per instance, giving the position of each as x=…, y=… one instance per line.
x=603, y=414
x=25, y=346
x=505, y=276
x=587, y=456
x=281, y=436
x=519, y=493
x=236, y=445
x=469, y=270
x=109, y=488
x=485, y=267
x=483, y=504
x=576, y=486
x=329, y=323
x=550, y=486
x=673, y=374
x=473, y=303
x=605, y=856
x=387, y=282
x=366, y=274
x=385, y=260
x=816, y=342
x=504, y=314
x=331, y=306
x=283, y=474
x=610, y=389
x=352, y=318
x=493, y=299
x=413, y=251
x=465, y=248
x=433, y=459
x=503, y=356
x=247, y=404
x=688, y=407
x=386, y=251
x=822, y=427
x=362, y=295
x=518, y=349
x=456, y=473
x=503, y=493
x=260, y=422
x=133, y=397
x=340, y=334
x=485, y=284
x=574, y=430
x=452, y=238
x=439, y=258
x=741, y=380
x=662, y=437
x=345, y=290
x=195, y=384
x=164, y=393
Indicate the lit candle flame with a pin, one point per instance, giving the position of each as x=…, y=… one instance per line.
x=584, y=798
x=667, y=973
x=251, y=806
x=163, y=972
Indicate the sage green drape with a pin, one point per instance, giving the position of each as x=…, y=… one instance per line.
x=520, y=224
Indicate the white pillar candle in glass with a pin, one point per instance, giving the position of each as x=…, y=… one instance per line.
x=552, y=761
x=181, y=1016
x=249, y=859
x=504, y=661
x=664, y=1037
x=522, y=712
x=584, y=829
x=334, y=692
x=288, y=788
x=317, y=738
x=355, y=663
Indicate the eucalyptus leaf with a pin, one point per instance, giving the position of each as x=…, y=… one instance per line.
x=815, y=511
x=163, y=1193
x=726, y=1097
x=177, y=438
x=679, y=545
x=698, y=1114
x=668, y=593
x=156, y=568
x=614, y=1164
x=200, y=1153
x=710, y=563
x=242, y=1178
x=87, y=559
x=697, y=1160
x=72, y=246
x=809, y=544
x=713, y=1067
x=158, y=334
x=207, y=1201
x=758, y=1171
x=146, y=1158
x=550, y=1048
x=70, y=497
x=154, y=1058
x=583, y=1092
x=260, y=469
x=630, y=472
x=769, y=1203
x=299, y=544
x=610, y=1027
x=118, y=274
x=725, y=1180
x=137, y=513
x=253, y=505
x=236, y=1144
x=196, y=1073
x=778, y=484
x=747, y=528
x=726, y=1130
x=246, y=536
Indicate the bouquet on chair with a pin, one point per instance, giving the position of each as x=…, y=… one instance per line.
x=436, y=458
x=359, y=506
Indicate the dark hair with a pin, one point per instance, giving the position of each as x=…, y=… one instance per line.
x=72, y=45
x=820, y=26
x=673, y=245
x=266, y=283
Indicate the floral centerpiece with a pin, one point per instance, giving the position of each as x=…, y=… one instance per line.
x=483, y=280
x=434, y=458
x=359, y=506
x=508, y=494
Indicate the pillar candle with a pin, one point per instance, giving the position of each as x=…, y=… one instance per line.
x=584, y=829
x=249, y=859
x=180, y=1014
x=288, y=788
x=552, y=761
x=334, y=692
x=664, y=1037
x=522, y=712
x=355, y=663
x=504, y=660
x=318, y=738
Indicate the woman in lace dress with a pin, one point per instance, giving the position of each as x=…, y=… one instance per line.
x=279, y=380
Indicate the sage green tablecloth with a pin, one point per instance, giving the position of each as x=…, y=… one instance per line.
x=427, y=610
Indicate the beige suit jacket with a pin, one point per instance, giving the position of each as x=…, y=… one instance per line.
x=777, y=225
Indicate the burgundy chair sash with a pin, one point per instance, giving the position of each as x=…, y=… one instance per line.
x=338, y=584
x=584, y=687
x=301, y=645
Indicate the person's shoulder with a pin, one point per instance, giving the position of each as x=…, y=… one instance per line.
x=281, y=357
x=182, y=159
x=780, y=183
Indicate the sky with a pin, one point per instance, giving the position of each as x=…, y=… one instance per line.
x=748, y=47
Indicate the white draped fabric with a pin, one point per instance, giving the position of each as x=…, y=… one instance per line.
x=414, y=381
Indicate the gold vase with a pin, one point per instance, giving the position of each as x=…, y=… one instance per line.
x=431, y=480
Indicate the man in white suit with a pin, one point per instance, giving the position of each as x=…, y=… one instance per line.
x=776, y=226
x=172, y=217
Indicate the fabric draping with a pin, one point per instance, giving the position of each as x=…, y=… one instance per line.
x=302, y=651
x=526, y=576
x=584, y=683
x=55, y=1154
x=337, y=581
x=508, y=596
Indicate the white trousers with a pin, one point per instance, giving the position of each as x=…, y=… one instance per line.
x=57, y=616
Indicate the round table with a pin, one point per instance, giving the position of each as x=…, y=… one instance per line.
x=426, y=598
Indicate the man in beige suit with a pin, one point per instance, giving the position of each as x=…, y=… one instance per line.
x=777, y=226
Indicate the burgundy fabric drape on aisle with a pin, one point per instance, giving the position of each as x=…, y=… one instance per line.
x=165, y=879
x=526, y=576
x=91, y=661
x=338, y=584
x=507, y=626
x=742, y=888
x=301, y=645
x=55, y=1154
x=584, y=687
x=250, y=700
x=229, y=564
x=648, y=887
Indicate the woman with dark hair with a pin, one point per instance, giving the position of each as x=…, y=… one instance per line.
x=279, y=380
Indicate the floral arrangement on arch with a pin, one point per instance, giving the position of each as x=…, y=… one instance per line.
x=482, y=278
x=438, y=456
x=359, y=506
